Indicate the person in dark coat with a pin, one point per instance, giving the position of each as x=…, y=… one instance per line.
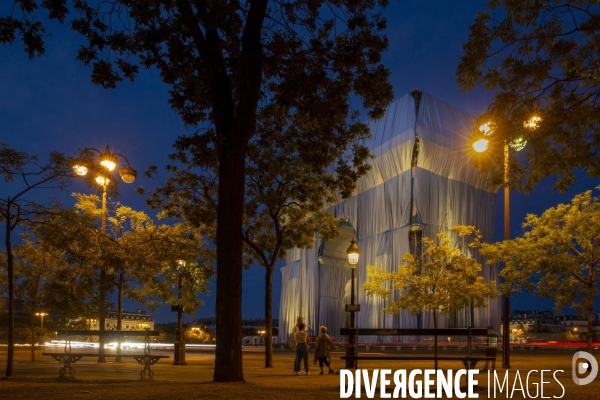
x=323, y=349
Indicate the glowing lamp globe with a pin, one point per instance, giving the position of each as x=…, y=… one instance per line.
x=102, y=180
x=518, y=144
x=80, y=167
x=481, y=145
x=108, y=161
x=533, y=122
x=128, y=174
x=353, y=253
x=487, y=129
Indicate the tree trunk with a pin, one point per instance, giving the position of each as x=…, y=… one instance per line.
x=435, y=346
x=179, y=309
x=228, y=353
x=269, y=317
x=102, y=318
x=32, y=334
x=11, y=295
x=33, y=308
x=120, y=315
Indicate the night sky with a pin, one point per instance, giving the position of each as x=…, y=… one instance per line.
x=49, y=103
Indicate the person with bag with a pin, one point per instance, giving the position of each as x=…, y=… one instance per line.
x=323, y=349
x=301, y=338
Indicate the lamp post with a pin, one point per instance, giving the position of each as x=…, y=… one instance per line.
x=353, y=254
x=480, y=146
x=179, y=346
x=41, y=315
x=108, y=161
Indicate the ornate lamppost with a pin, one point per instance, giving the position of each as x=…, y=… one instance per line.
x=108, y=161
x=480, y=146
x=353, y=254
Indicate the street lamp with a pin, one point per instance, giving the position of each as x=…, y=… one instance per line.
x=41, y=315
x=518, y=144
x=353, y=254
x=108, y=161
x=179, y=346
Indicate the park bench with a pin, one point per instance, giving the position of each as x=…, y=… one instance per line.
x=469, y=361
x=68, y=357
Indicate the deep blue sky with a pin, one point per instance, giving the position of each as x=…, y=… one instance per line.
x=48, y=103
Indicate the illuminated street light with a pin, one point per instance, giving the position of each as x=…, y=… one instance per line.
x=353, y=254
x=103, y=179
x=41, y=315
x=481, y=145
x=80, y=167
x=533, y=122
x=108, y=160
x=487, y=129
x=518, y=144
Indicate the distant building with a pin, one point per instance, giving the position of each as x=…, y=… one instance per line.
x=572, y=322
x=210, y=324
x=134, y=321
x=258, y=323
x=531, y=320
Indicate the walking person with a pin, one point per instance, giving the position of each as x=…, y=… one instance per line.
x=323, y=349
x=301, y=338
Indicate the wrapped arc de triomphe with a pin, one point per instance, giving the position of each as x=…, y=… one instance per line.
x=421, y=182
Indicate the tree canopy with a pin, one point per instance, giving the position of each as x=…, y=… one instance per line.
x=443, y=279
x=541, y=59
x=289, y=180
x=24, y=174
x=138, y=250
x=558, y=256
x=227, y=65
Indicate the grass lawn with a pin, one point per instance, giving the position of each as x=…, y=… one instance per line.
x=121, y=381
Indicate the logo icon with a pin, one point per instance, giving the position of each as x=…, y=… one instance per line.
x=582, y=367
